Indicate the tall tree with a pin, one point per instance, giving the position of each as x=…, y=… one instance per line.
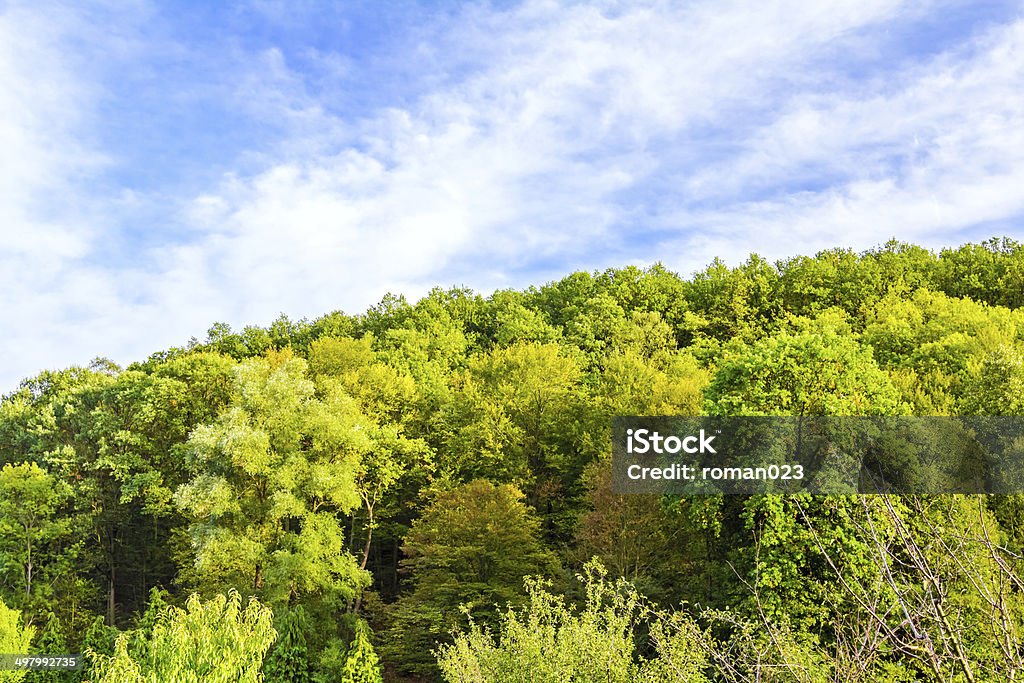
x=273, y=473
x=29, y=523
x=809, y=373
x=361, y=662
x=472, y=546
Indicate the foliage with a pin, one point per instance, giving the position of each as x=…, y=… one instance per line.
x=52, y=640
x=218, y=641
x=469, y=550
x=809, y=373
x=271, y=475
x=29, y=524
x=396, y=465
x=288, y=661
x=548, y=639
x=361, y=662
x=15, y=638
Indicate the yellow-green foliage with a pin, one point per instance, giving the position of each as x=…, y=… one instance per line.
x=15, y=638
x=446, y=448
x=218, y=641
x=361, y=664
x=550, y=641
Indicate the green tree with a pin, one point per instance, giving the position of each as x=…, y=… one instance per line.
x=272, y=475
x=52, y=425
x=998, y=387
x=113, y=439
x=936, y=344
x=380, y=469
x=514, y=413
x=670, y=385
x=834, y=278
x=551, y=642
x=29, y=502
x=508, y=319
x=655, y=289
x=15, y=638
x=810, y=373
x=594, y=326
x=990, y=272
x=726, y=303
x=52, y=640
x=472, y=546
x=361, y=662
x=338, y=356
x=288, y=661
x=218, y=641
x=664, y=561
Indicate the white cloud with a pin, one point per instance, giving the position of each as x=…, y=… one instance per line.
x=550, y=131
x=61, y=303
x=516, y=159
x=940, y=153
x=41, y=109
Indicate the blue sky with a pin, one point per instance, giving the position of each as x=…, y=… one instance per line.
x=168, y=165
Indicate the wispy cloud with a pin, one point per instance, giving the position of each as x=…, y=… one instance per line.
x=504, y=146
x=555, y=111
x=928, y=155
x=49, y=294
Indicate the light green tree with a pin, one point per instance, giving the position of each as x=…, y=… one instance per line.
x=15, y=638
x=513, y=410
x=939, y=344
x=361, y=663
x=29, y=500
x=815, y=372
x=379, y=471
x=633, y=385
x=998, y=388
x=272, y=475
x=472, y=546
x=219, y=641
x=550, y=641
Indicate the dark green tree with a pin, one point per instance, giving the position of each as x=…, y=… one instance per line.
x=288, y=661
x=471, y=548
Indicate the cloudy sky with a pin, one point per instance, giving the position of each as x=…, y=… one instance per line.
x=167, y=165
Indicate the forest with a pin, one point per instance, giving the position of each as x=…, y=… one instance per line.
x=422, y=491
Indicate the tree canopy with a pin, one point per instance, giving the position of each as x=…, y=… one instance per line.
x=381, y=483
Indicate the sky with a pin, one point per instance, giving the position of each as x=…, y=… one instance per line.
x=165, y=166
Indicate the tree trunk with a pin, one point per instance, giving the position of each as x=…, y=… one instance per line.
x=110, y=593
x=396, y=552
x=366, y=551
x=28, y=563
x=369, y=536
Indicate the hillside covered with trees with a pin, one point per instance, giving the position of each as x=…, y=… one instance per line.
x=423, y=490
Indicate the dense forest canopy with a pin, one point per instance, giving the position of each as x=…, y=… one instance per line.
x=423, y=490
